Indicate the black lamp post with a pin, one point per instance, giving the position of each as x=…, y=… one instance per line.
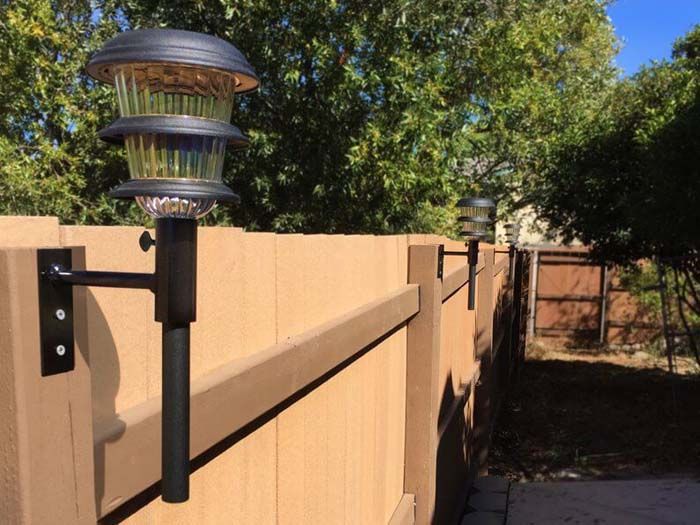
x=512, y=234
x=175, y=91
x=476, y=215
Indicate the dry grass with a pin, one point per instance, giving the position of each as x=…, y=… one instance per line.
x=598, y=415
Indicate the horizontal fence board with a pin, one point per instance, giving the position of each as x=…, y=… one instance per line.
x=613, y=323
x=562, y=252
x=564, y=298
x=547, y=330
x=453, y=281
x=230, y=397
x=500, y=265
x=458, y=277
x=568, y=262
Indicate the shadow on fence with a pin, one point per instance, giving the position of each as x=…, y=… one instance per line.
x=377, y=407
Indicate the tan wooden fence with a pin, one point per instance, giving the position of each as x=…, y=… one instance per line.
x=336, y=379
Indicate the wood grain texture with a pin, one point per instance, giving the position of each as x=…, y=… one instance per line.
x=47, y=458
x=404, y=514
x=235, y=394
x=423, y=383
x=25, y=232
x=319, y=333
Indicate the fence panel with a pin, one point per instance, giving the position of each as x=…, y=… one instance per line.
x=325, y=388
x=582, y=300
x=46, y=438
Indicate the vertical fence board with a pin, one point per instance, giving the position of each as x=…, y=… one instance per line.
x=354, y=449
x=25, y=232
x=422, y=382
x=49, y=418
x=236, y=317
x=484, y=341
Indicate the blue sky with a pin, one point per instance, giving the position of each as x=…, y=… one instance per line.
x=648, y=28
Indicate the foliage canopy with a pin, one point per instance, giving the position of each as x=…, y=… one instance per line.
x=373, y=116
x=627, y=181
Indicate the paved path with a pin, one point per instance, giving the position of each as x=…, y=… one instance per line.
x=672, y=501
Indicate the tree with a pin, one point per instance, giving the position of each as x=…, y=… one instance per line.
x=372, y=116
x=51, y=162
x=543, y=65
x=627, y=182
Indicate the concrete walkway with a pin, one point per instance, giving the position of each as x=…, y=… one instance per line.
x=642, y=502
x=664, y=501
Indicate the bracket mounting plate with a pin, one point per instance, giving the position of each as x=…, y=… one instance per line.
x=55, y=314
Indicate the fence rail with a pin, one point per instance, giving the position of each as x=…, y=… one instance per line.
x=226, y=400
x=372, y=402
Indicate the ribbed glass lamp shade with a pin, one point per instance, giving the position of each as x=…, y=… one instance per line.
x=163, y=156
x=474, y=211
x=475, y=230
x=176, y=92
x=475, y=214
x=157, y=89
x=511, y=228
x=512, y=232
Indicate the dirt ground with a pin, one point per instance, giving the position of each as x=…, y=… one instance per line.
x=582, y=414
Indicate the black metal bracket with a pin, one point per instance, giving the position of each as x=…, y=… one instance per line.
x=461, y=254
x=55, y=314
x=55, y=281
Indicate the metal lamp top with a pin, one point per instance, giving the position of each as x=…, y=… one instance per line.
x=476, y=202
x=176, y=47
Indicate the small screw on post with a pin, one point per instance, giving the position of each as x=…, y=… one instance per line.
x=61, y=350
x=60, y=314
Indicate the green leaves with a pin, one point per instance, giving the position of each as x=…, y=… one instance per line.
x=628, y=180
x=372, y=116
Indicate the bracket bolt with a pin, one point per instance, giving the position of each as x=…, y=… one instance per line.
x=60, y=314
x=61, y=350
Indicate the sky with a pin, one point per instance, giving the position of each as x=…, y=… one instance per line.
x=648, y=28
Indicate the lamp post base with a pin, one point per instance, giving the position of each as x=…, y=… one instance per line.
x=176, y=413
x=473, y=261
x=176, y=271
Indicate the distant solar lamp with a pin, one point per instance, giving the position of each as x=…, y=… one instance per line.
x=512, y=236
x=476, y=215
x=512, y=232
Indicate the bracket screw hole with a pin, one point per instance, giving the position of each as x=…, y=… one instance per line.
x=60, y=314
x=61, y=350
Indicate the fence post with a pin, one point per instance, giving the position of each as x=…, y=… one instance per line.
x=46, y=446
x=532, y=313
x=605, y=285
x=422, y=382
x=483, y=406
x=517, y=305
